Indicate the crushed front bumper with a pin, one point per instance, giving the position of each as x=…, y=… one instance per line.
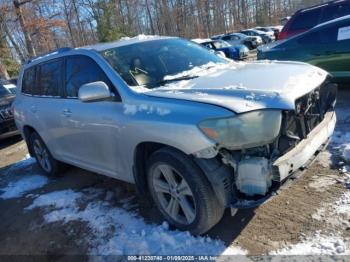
x=300, y=155
x=296, y=159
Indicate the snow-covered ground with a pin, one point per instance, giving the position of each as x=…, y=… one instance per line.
x=114, y=230
x=118, y=231
x=322, y=243
x=22, y=186
x=336, y=214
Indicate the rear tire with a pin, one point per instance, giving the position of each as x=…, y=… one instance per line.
x=44, y=159
x=181, y=192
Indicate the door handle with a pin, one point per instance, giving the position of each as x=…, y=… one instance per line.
x=66, y=112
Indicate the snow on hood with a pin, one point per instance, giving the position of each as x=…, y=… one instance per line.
x=243, y=87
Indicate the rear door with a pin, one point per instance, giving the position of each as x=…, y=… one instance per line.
x=335, y=41
x=46, y=103
x=328, y=48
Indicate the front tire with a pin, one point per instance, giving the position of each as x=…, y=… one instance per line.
x=46, y=162
x=181, y=192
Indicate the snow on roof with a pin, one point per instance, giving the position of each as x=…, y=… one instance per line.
x=126, y=41
x=201, y=40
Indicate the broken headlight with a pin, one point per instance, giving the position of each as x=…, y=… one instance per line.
x=246, y=130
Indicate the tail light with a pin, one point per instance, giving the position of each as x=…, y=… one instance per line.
x=282, y=35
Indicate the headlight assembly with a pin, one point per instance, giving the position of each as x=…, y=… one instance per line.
x=246, y=130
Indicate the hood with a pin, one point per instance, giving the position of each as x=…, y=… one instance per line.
x=243, y=87
x=6, y=100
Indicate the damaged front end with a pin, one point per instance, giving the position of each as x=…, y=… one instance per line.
x=247, y=173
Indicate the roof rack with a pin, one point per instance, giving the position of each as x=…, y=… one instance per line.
x=58, y=51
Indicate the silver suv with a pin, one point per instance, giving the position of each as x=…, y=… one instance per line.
x=196, y=133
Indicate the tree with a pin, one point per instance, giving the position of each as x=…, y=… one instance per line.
x=17, y=5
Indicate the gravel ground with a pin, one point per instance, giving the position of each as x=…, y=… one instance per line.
x=48, y=216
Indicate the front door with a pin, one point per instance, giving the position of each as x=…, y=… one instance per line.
x=91, y=131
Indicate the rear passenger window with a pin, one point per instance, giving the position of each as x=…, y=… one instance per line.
x=336, y=11
x=305, y=20
x=81, y=70
x=28, y=80
x=50, y=78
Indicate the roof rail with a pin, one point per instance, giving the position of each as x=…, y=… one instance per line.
x=58, y=51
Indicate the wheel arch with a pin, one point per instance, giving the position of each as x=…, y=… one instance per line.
x=27, y=131
x=219, y=176
x=141, y=153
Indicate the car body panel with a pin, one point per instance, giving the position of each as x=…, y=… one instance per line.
x=306, y=18
x=237, y=91
x=94, y=135
x=315, y=48
x=103, y=136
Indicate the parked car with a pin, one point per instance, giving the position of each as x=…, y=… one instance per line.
x=307, y=18
x=277, y=30
x=237, y=52
x=266, y=38
x=7, y=123
x=326, y=45
x=285, y=20
x=233, y=39
x=268, y=31
x=196, y=147
x=8, y=85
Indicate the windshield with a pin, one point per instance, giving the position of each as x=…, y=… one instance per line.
x=220, y=44
x=4, y=91
x=150, y=63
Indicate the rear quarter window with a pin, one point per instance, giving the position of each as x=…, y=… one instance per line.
x=305, y=20
x=28, y=81
x=336, y=11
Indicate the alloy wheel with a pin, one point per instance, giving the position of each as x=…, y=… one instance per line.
x=42, y=155
x=174, y=194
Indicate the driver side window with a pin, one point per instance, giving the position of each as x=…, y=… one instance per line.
x=81, y=70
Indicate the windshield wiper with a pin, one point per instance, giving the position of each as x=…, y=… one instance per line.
x=166, y=81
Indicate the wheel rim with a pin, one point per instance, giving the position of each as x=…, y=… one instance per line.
x=174, y=194
x=42, y=155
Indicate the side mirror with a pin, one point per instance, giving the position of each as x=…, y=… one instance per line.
x=94, y=91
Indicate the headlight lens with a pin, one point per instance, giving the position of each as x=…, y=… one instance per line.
x=244, y=131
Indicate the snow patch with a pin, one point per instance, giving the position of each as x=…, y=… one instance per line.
x=342, y=206
x=317, y=245
x=346, y=153
x=120, y=232
x=140, y=37
x=325, y=159
x=322, y=182
x=20, y=187
x=132, y=109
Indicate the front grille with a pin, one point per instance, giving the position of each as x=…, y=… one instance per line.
x=309, y=112
x=6, y=113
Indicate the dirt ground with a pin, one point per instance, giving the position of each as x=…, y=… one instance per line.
x=283, y=220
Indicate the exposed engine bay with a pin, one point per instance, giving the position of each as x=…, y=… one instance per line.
x=258, y=171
